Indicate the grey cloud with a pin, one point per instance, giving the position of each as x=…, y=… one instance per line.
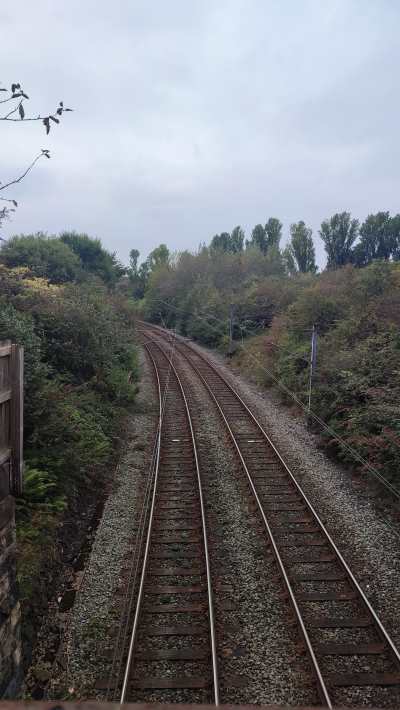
x=193, y=117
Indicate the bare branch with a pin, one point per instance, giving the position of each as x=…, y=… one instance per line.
x=16, y=93
x=10, y=98
x=11, y=112
x=44, y=153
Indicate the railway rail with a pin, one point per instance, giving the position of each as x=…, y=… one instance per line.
x=346, y=643
x=166, y=646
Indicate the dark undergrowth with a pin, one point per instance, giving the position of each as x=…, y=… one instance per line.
x=80, y=380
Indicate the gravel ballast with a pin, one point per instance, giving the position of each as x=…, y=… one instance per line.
x=82, y=660
x=260, y=659
x=364, y=528
x=255, y=641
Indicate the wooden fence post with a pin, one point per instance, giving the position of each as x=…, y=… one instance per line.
x=17, y=418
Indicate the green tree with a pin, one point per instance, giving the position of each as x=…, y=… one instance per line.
x=93, y=257
x=133, y=260
x=339, y=234
x=301, y=248
x=160, y=256
x=378, y=238
x=273, y=233
x=289, y=261
x=45, y=256
x=395, y=227
x=221, y=242
x=258, y=238
x=236, y=240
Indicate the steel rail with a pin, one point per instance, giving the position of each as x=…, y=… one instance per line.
x=215, y=682
x=323, y=690
x=125, y=683
x=380, y=627
x=128, y=600
x=205, y=540
x=127, y=609
x=343, y=562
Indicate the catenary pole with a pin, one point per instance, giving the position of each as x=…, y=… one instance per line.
x=313, y=363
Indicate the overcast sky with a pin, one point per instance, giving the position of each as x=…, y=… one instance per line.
x=193, y=116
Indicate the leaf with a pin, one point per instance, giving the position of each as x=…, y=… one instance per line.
x=53, y=118
x=61, y=103
x=68, y=109
x=3, y=89
x=15, y=203
x=46, y=122
x=24, y=95
x=21, y=111
x=59, y=111
x=16, y=95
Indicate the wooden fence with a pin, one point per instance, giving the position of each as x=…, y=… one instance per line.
x=11, y=418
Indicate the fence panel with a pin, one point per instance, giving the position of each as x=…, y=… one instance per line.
x=11, y=418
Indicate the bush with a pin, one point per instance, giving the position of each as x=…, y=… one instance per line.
x=80, y=373
x=45, y=257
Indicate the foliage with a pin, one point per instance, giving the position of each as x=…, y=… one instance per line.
x=93, y=257
x=356, y=386
x=379, y=239
x=300, y=252
x=38, y=494
x=80, y=373
x=273, y=233
x=228, y=242
x=356, y=313
x=339, y=234
x=45, y=256
x=264, y=238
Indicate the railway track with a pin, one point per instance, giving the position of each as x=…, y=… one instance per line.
x=346, y=643
x=166, y=648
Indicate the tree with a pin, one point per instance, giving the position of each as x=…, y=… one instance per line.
x=258, y=238
x=133, y=261
x=289, y=261
x=160, y=256
x=93, y=257
x=157, y=259
x=300, y=252
x=273, y=233
x=229, y=243
x=45, y=256
x=339, y=234
x=16, y=97
x=379, y=237
x=236, y=240
x=221, y=242
x=395, y=228
x=266, y=237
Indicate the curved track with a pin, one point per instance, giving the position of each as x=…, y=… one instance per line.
x=346, y=643
x=166, y=649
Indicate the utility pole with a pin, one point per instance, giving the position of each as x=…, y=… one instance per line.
x=231, y=315
x=313, y=363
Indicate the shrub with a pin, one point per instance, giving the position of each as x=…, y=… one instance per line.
x=45, y=257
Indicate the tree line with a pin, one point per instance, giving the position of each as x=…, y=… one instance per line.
x=378, y=235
